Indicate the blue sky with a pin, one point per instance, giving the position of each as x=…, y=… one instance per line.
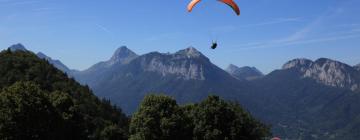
x=266, y=35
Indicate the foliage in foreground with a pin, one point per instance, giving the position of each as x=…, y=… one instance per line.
x=160, y=118
x=39, y=101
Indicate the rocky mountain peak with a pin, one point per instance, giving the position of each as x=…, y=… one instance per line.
x=122, y=55
x=327, y=71
x=17, y=47
x=190, y=52
x=298, y=63
x=232, y=68
x=246, y=72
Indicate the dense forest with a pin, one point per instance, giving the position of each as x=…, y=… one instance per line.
x=38, y=101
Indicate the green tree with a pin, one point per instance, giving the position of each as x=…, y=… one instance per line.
x=216, y=119
x=113, y=132
x=63, y=103
x=26, y=113
x=72, y=122
x=158, y=118
x=82, y=114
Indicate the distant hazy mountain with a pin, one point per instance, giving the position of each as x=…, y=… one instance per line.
x=17, y=47
x=328, y=72
x=247, y=73
x=186, y=75
x=57, y=63
x=91, y=76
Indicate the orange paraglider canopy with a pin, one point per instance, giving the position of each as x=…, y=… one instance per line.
x=192, y=4
x=230, y=3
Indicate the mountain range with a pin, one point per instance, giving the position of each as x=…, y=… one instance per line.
x=304, y=99
x=56, y=63
x=186, y=71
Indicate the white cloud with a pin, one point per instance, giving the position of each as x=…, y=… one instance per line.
x=277, y=21
x=302, y=33
x=276, y=44
x=103, y=28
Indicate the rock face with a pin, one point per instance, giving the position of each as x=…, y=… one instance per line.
x=244, y=73
x=301, y=64
x=185, y=64
x=328, y=72
x=357, y=67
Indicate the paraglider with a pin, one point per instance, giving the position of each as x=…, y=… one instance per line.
x=230, y=3
x=214, y=45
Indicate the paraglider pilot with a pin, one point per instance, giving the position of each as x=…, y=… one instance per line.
x=214, y=45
